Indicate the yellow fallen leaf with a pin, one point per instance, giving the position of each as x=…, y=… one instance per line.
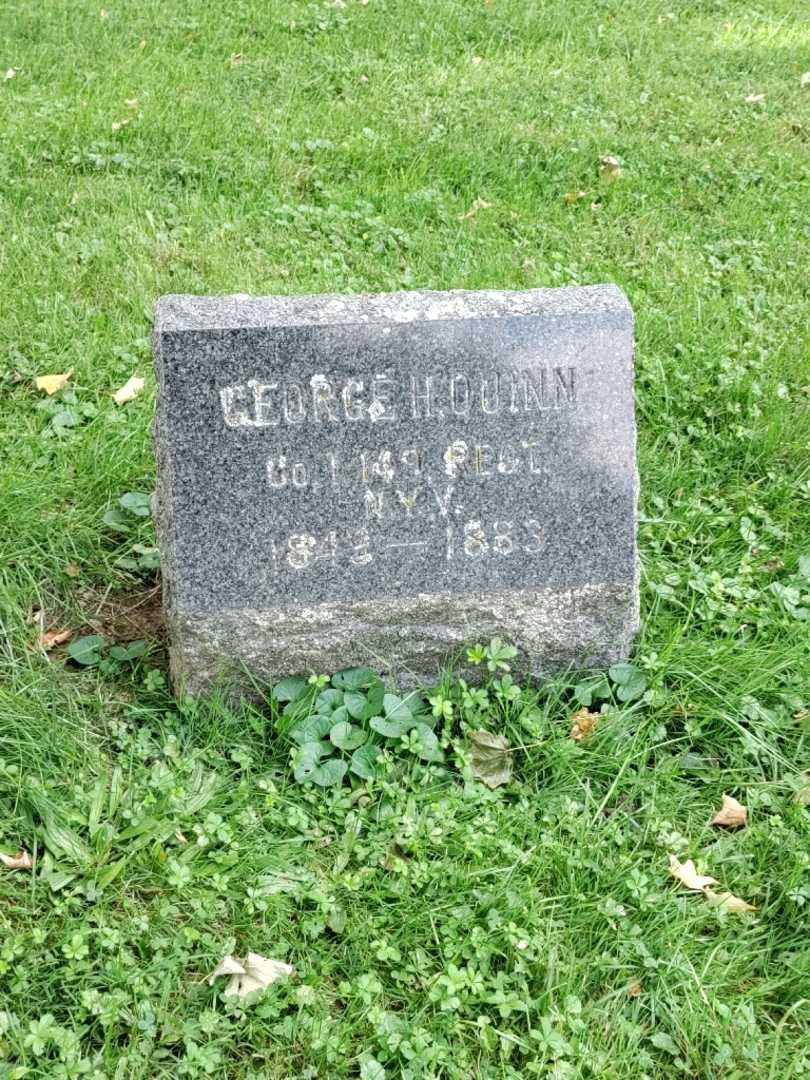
x=52, y=383
x=583, y=724
x=51, y=638
x=118, y=124
x=688, y=875
x=72, y=569
x=246, y=976
x=731, y=813
x=129, y=391
x=610, y=168
x=477, y=59
x=131, y=102
x=574, y=196
x=479, y=204
x=21, y=861
x=728, y=901
x=755, y=99
x=634, y=988
x=10, y=73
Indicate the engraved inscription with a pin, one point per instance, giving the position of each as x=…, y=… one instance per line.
x=407, y=502
x=407, y=473
x=471, y=540
x=385, y=397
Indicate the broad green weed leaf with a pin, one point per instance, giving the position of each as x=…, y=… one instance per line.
x=63, y=842
x=374, y=704
x=662, y=1041
x=330, y=773
x=347, y=736
x=289, y=689
x=106, y=876
x=118, y=520
x=391, y=729
x=631, y=681
x=363, y=761
x=340, y=716
x=354, y=678
x=86, y=650
x=430, y=750
x=136, y=502
x=396, y=710
x=328, y=700
x=587, y=692
x=356, y=702
x=310, y=729
x=132, y=651
x=305, y=759
x=371, y=1069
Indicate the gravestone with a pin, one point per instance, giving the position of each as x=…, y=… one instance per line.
x=378, y=480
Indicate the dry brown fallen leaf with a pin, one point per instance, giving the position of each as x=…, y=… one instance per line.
x=129, y=391
x=688, y=875
x=51, y=383
x=72, y=569
x=731, y=813
x=574, y=196
x=634, y=988
x=490, y=758
x=610, y=168
x=131, y=102
x=10, y=73
x=479, y=204
x=583, y=724
x=728, y=901
x=805, y=79
x=118, y=124
x=21, y=861
x=51, y=638
x=755, y=99
x=246, y=976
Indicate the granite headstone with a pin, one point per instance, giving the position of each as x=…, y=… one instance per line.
x=381, y=479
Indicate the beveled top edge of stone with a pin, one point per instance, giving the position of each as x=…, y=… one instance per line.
x=240, y=310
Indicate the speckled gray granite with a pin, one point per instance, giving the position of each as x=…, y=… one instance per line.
x=381, y=479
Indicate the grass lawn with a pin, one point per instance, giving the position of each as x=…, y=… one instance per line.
x=437, y=928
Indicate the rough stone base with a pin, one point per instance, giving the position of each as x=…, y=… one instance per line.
x=407, y=640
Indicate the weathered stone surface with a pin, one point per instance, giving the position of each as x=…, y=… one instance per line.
x=381, y=479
